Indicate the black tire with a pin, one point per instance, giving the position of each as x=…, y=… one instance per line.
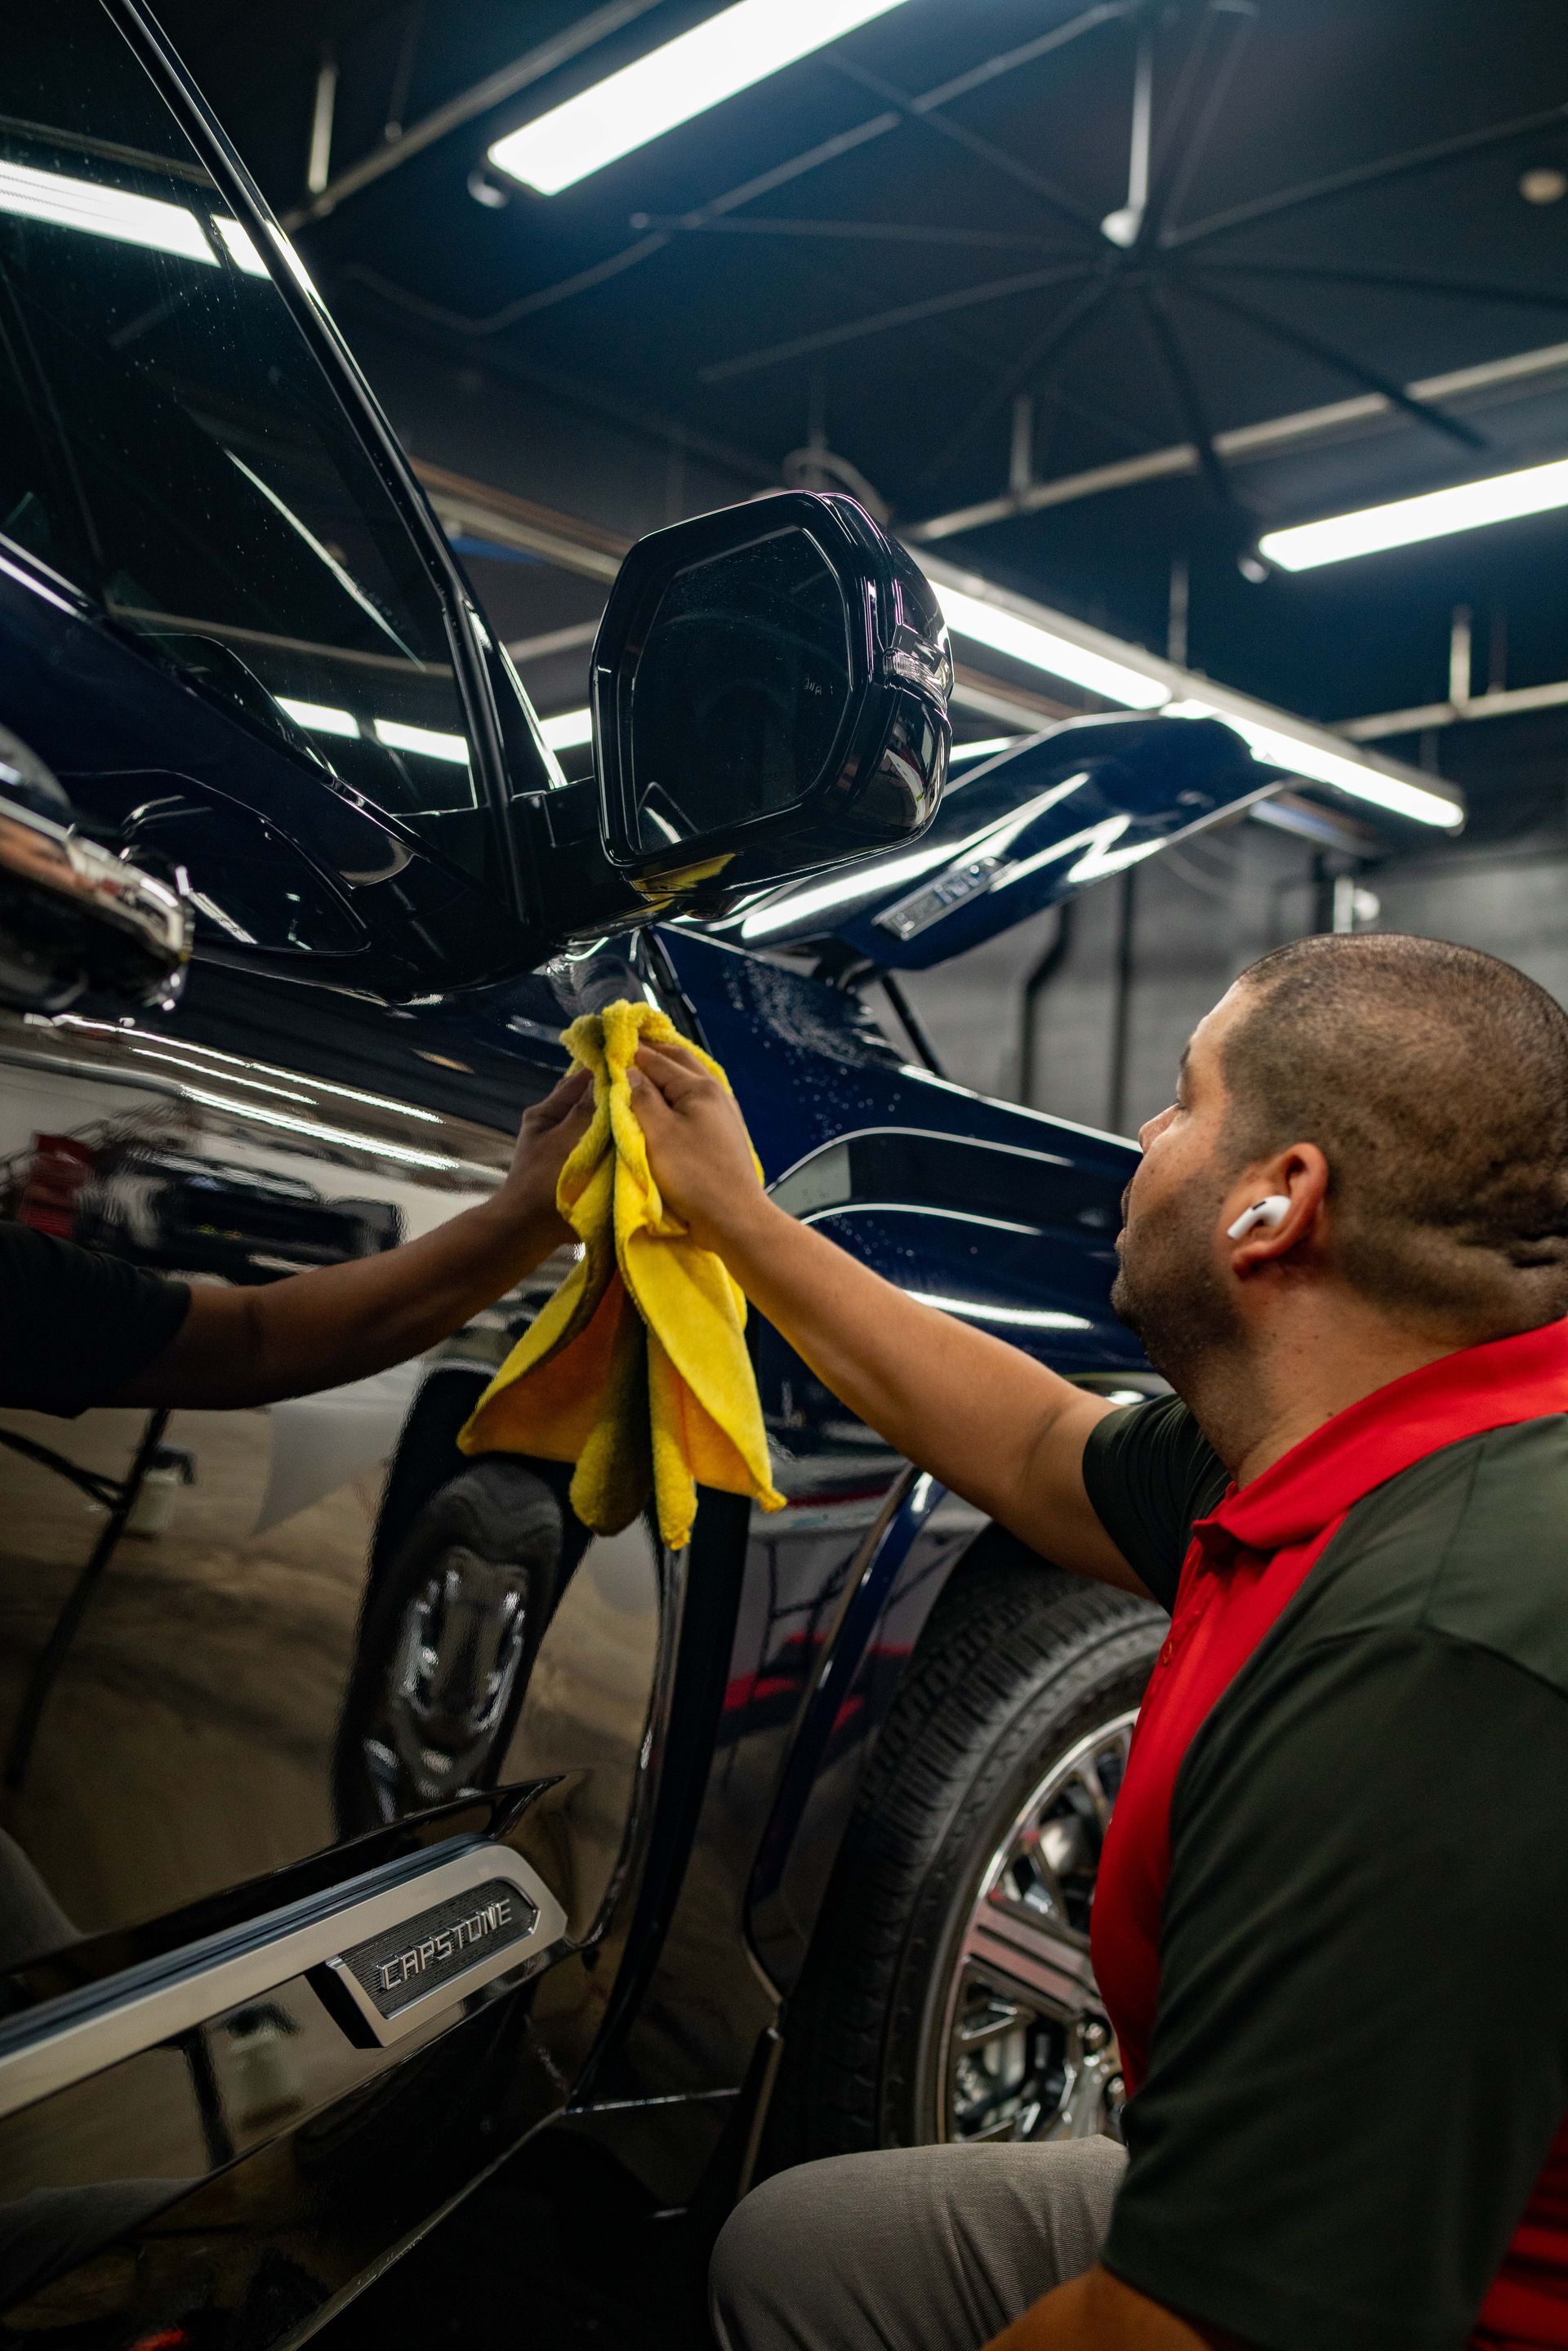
x=446, y=1644
x=1021, y=1669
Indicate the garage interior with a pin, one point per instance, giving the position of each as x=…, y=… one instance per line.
x=1085, y=302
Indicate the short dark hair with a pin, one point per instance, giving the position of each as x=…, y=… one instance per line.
x=1435, y=1081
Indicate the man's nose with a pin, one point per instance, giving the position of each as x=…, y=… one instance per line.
x=1154, y=1126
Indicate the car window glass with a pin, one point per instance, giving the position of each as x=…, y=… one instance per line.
x=169, y=441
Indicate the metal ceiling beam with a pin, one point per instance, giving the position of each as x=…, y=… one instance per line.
x=469, y=104
x=1502, y=701
x=906, y=314
x=1330, y=356
x=1520, y=372
x=1365, y=176
x=1393, y=281
x=984, y=149
x=851, y=231
x=1025, y=371
x=828, y=151
x=467, y=508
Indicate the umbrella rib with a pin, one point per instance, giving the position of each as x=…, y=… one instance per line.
x=1050, y=345
x=906, y=314
x=1194, y=416
x=1464, y=289
x=1365, y=176
x=1328, y=355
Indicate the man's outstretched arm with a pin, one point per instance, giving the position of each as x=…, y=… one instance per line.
x=342, y=1322
x=982, y=1417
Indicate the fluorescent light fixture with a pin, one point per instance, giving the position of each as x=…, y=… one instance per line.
x=567, y=730
x=1467, y=506
x=321, y=717
x=423, y=739
x=1144, y=682
x=725, y=54
x=1302, y=755
x=240, y=245
x=1007, y=632
x=101, y=210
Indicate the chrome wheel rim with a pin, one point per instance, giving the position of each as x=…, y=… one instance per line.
x=1025, y=2051
x=452, y=1678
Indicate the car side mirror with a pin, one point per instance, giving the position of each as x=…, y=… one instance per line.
x=769, y=694
x=74, y=919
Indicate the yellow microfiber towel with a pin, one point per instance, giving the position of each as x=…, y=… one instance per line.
x=637, y=1368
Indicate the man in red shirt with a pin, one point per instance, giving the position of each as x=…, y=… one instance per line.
x=1331, y=1922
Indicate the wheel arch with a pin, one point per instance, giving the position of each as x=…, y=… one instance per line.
x=905, y=1567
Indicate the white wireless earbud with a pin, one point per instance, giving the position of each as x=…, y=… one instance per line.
x=1271, y=1212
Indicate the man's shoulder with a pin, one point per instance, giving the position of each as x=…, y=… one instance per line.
x=1469, y=1544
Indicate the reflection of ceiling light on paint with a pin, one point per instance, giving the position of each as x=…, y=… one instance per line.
x=568, y=729
x=992, y=839
x=241, y=249
x=1315, y=763
x=1022, y=640
x=986, y=750
x=101, y=211
x=697, y=69
x=321, y=717
x=1142, y=682
x=426, y=740
x=1543, y=184
x=1404, y=522
x=1030, y=1317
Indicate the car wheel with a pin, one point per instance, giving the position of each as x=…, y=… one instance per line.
x=948, y=1992
x=447, y=1638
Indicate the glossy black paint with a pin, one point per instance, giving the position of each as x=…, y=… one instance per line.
x=1081, y=801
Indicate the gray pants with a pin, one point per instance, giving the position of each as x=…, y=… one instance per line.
x=912, y=2249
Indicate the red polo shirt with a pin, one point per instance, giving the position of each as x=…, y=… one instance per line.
x=1329, y=1610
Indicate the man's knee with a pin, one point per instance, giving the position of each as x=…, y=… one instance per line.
x=933, y=2246
x=776, y=2281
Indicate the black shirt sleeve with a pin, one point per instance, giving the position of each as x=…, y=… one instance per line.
x=1361, y=2057
x=75, y=1326
x=1149, y=1472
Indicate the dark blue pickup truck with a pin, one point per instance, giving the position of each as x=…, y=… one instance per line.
x=361, y=1819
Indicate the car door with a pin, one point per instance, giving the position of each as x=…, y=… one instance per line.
x=254, y=2032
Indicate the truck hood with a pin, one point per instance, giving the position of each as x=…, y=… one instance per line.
x=1085, y=799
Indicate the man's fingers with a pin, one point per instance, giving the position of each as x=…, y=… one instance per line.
x=566, y=1095
x=672, y=1072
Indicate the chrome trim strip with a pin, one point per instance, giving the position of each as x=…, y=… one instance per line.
x=67, y=2039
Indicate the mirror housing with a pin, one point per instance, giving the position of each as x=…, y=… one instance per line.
x=769, y=696
x=74, y=919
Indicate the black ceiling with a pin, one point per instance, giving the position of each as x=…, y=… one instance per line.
x=977, y=220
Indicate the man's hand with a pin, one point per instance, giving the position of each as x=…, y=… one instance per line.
x=342, y=1322
x=980, y=1416
x=550, y=1132
x=698, y=1146
x=1098, y=2312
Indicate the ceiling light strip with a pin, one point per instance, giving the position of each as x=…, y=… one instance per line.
x=1406, y=522
x=698, y=70
x=1124, y=674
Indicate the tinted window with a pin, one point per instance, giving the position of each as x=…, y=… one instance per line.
x=169, y=443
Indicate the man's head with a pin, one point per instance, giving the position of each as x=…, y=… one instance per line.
x=1410, y=1098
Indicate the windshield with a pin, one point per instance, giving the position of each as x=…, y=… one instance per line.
x=169, y=443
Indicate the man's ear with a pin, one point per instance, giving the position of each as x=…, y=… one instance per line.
x=1275, y=1207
